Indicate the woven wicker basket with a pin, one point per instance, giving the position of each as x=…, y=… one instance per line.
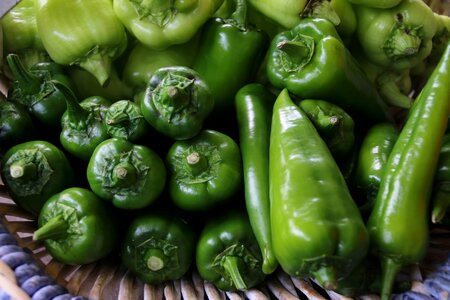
x=108, y=279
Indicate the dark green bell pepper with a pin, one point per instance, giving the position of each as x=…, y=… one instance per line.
x=16, y=125
x=77, y=227
x=158, y=247
x=34, y=171
x=130, y=176
x=176, y=102
x=205, y=171
x=317, y=229
x=311, y=61
x=227, y=253
x=229, y=55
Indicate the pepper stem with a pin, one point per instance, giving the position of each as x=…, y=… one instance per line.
x=156, y=259
x=390, y=269
x=231, y=265
x=321, y=9
x=53, y=229
x=392, y=95
x=326, y=276
x=76, y=114
x=98, y=65
x=124, y=174
x=196, y=162
x=22, y=169
x=403, y=42
x=299, y=52
x=28, y=82
x=118, y=119
x=240, y=14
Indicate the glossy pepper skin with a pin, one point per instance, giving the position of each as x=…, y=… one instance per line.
x=159, y=24
x=205, y=171
x=130, y=176
x=76, y=227
x=176, y=102
x=285, y=13
x=440, y=198
x=376, y=3
x=334, y=125
x=227, y=253
x=33, y=171
x=253, y=104
x=374, y=152
x=100, y=37
x=34, y=89
x=158, y=247
x=82, y=127
x=400, y=236
x=398, y=37
x=317, y=230
x=311, y=61
x=16, y=125
x=229, y=55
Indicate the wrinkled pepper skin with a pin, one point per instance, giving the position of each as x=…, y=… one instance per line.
x=311, y=61
x=34, y=171
x=229, y=55
x=398, y=224
x=254, y=104
x=16, y=125
x=128, y=175
x=76, y=227
x=317, y=229
x=176, y=102
x=159, y=24
x=158, y=247
x=205, y=171
x=399, y=37
x=100, y=37
x=440, y=199
x=227, y=253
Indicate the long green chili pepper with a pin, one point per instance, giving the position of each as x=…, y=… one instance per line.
x=398, y=224
x=440, y=200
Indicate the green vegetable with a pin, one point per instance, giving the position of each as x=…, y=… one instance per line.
x=284, y=12
x=76, y=227
x=376, y=3
x=176, y=102
x=124, y=119
x=311, y=61
x=229, y=55
x=440, y=199
x=204, y=171
x=82, y=123
x=130, y=176
x=83, y=33
x=34, y=89
x=159, y=24
x=317, y=229
x=158, y=247
x=33, y=171
x=227, y=254
x=16, y=125
x=333, y=124
x=254, y=113
x=399, y=37
x=400, y=236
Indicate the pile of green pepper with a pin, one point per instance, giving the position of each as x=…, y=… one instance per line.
x=234, y=137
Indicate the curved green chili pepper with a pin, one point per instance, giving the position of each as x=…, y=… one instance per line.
x=253, y=104
x=158, y=247
x=176, y=102
x=227, y=254
x=34, y=171
x=317, y=229
x=400, y=236
x=16, y=125
x=76, y=227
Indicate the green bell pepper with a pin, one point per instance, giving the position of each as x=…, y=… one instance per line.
x=317, y=229
x=159, y=24
x=124, y=119
x=35, y=90
x=76, y=227
x=205, y=171
x=158, y=247
x=16, y=125
x=376, y=3
x=311, y=61
x=253, y=104
x=99, y=38
x=20, y=34
x=333, y=124
x=229, y=55
x=130, y=176
x=440, y=198
x=227, y=254
x=176, y=102
x=399, y=37
x=400, y=236
x=82, y=127
x=284, y=12
x=34, y=171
